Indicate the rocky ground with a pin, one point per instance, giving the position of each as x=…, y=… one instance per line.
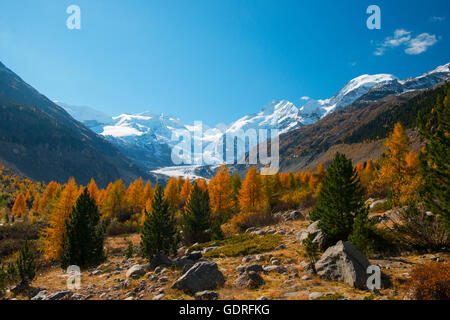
x=282, y=273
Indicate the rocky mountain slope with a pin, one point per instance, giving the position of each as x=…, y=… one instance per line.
x=42, y=141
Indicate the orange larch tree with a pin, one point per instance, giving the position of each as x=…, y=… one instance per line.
x=52, y=238
x=171, y=193
x=251, y=198
x=20, y=208
x=220, y=193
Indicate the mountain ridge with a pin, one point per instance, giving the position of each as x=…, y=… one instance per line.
x=146, y=137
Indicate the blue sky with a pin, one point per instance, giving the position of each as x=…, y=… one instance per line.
x=214, y=60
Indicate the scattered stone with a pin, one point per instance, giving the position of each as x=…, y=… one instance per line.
x=96, y=272
x=159, y=296
x=317, y=234
x=376, y=203
x=253, y=267
x=59, y=295
x=262, y=298
x=249, y=280
x=296, y=293
x=315, y=295
x=40, y=296
x=136, y=271
x=208, y=249
x=279, y=269
x=207, y=295
x=194, y=255
x=204, y=275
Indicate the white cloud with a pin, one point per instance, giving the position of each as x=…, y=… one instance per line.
x=421, y=43
x=437, y=19
x=402, y=37
x=305, y=98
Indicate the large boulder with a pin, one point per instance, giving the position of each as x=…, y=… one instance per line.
x=317, y=234
x=204, y=275
x=344, y=263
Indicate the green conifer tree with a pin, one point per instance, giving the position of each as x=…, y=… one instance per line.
x=311, y=249
x=83, y=245
x=362, y=234
x=340, y=198
x=435, y=159
x=159, y=234
x=26, y=265
x=197, y=216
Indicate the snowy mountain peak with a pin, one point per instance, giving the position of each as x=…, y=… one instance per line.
x=147, y=137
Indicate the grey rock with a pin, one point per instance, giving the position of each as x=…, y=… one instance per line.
x=315, y=295
x=253, y=267
x=344, y=263
x=249, y=280
x=159, y=296
x=279, y=269
x=194, y=255
x=318, y=235
x=207, y=295
x=181, y=262
x=204, y=275
x=40, y=296
x=137, y=271
x=59, y=295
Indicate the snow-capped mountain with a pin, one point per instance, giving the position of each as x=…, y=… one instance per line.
x=148, y=138
x=86, y=114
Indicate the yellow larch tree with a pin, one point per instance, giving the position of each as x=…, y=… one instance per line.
x=93, y=190
x=52, y=238
x=250, y=198
x=20, y=208
x=185, y=190
x=220, y=193
x=171, y=193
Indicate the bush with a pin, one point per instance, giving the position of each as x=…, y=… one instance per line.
x=116, y=228
x=22, y=230
x=244, y=220
x=130, y=250
x=417, y=229
x=362, y=234
x=227, y=241
x=430, y=282
x=311, y=250
x=297, y=199
x=253, y=245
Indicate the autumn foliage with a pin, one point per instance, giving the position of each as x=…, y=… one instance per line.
x=430, y=282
